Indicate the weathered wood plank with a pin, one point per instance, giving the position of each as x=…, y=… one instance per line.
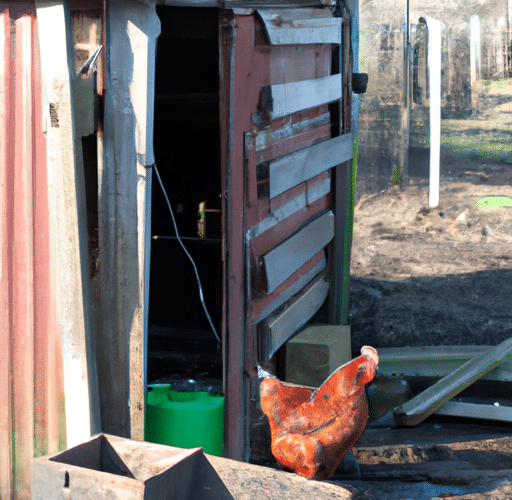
x=286, y=210
x=267, y=137
x=288, y=98
x=282, y=261
x=298, y=27
x=290, y=291
x=430, y=400
x=436, y=361
x=253, y=482
x=299, y=166
x=481, y=411
x=121, y=286
x=281, y=327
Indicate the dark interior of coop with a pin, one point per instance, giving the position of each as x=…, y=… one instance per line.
x=181, y=343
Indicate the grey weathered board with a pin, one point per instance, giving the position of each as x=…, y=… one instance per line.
x=282, y=326
x=288, y=98
x=432, y=399
x=289, y=170
x=288, y=257
x=494, y=412
x=296, y=26
x=294, y=288
x=289, y=208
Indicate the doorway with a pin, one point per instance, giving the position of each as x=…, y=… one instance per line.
x=181, y=343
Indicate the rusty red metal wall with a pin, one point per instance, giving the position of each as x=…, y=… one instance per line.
x=31, y=373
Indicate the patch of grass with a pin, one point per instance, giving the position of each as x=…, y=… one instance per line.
x=397, y=176
x=500, y=149
x=501, y=86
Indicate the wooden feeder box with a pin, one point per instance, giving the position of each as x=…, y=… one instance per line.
x=118, y=468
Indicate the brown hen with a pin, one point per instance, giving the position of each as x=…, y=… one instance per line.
x=312, y=431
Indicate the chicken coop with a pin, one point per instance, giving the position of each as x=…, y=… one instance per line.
x=225, y=129
x=253, y=141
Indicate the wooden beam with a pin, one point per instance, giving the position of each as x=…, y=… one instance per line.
x=121, y=298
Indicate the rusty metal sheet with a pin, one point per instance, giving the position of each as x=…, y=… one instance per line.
x=31, y=372
x=298, y=26
x=294, y=168
x=282, y=261
x=280, y=327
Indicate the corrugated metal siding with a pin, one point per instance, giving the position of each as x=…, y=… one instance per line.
x=31, y=373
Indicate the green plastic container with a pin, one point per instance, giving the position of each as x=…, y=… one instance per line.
x=185, y=419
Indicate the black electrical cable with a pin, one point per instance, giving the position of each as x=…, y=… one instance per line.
x=201, y=298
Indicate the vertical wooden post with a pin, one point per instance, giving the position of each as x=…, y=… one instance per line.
x=121, y=285
x=405, y=114
x=474, y=58
x=434, y=84
x=237, y=41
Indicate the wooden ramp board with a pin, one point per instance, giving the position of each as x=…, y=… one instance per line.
x=433, y=398
x=255, y=482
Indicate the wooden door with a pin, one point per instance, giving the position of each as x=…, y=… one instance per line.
x=282, y=110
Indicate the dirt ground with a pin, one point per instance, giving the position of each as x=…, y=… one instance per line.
x=440, y=276
x=434, y=277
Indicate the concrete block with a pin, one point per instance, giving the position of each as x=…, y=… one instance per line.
x=313, y=354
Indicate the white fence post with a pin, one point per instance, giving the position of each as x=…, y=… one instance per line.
x=434, y=84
